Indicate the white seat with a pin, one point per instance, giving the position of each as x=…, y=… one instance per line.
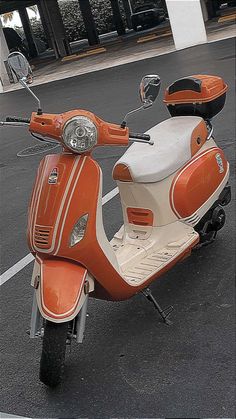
x=171, y=150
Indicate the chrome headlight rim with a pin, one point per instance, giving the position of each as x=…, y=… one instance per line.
x=92, y=125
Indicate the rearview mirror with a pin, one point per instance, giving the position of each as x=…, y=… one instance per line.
x=148, y=92
x=149, y=89
x=19, y=64
x=21, y=68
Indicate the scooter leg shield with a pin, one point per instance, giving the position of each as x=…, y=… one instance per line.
x=60, y=293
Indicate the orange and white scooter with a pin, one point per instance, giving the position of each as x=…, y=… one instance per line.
x=173, y=186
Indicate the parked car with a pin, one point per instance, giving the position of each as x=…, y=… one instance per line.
x=17, y=43
x=39, y=43
x=147, y=15
x=231, y=3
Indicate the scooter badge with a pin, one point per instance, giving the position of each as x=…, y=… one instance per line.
x=220, y=163
x=52, y=180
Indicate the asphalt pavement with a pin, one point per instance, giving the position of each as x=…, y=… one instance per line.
x=130, y=365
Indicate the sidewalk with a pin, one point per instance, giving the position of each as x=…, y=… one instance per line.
x=119, y=52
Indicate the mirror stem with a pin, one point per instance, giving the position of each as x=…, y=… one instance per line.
x=124, y=122
x=24, y=84
x=144, y=106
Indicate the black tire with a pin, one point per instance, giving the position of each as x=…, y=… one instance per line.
x=53, y=353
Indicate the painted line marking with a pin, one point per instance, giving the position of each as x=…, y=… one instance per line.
x=153, y=36
x=29, y=258
x=83, y=54
x=146, y=38
x=16, y=268
x=110, y=195
x=6, y=416
x=227, y=18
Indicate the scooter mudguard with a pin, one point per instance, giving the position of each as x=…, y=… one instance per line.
x=60, y=291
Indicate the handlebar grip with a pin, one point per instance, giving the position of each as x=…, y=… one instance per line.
x=17, y=119
x=138, y=136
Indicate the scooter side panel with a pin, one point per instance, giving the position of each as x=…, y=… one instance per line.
x=197, y=181
x=60, y=289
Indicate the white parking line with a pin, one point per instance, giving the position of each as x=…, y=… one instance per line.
x=110, y=195
x=16, y=268
x=6, y=416
x=29, y=258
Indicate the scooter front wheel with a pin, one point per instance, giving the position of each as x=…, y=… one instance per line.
x=53, y=353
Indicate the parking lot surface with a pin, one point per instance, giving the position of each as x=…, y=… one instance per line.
x=130, y=364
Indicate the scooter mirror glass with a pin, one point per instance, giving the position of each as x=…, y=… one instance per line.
x=149, y=88
x=19, y=64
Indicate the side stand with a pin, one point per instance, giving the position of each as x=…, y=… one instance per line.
x=163, y=313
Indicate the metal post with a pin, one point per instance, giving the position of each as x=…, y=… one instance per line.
x=28, y=32
x=130, y=6
x=128, y=11
x=52, y=42
x=56, y=28
x=120, y=27
x=44, y=22
x=92, y=33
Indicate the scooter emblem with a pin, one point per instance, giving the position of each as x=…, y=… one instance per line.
x=219, y=162
x=52, y=180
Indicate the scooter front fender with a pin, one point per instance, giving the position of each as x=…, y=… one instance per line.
x=60, y=288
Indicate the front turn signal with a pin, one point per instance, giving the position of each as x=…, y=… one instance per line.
x=78, y=231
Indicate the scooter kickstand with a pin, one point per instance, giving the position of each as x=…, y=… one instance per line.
x=163, y=313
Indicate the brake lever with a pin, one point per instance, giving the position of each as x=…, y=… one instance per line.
x=141, y=141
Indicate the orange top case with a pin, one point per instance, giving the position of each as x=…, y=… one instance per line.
x=195, y=89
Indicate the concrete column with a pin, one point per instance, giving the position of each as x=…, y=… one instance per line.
x=204, y=10
x=187, y=24
x=212, y=8
x=49, y=32
x=4, y=79
x=119, y=24
x=44, y=22
x=56, y=28
x=92, y=33
x=28, y=32
x=163, y=5
x=127, y=10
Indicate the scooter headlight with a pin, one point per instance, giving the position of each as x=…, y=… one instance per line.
x=80, y=134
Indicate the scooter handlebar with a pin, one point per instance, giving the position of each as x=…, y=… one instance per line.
x=17, y=119
x=138, y=136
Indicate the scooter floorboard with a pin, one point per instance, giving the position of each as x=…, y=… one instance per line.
x=157, y=258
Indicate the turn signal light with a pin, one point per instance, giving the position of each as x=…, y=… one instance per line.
x=78, y=231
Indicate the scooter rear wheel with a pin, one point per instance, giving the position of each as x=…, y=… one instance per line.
x=53, y=353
